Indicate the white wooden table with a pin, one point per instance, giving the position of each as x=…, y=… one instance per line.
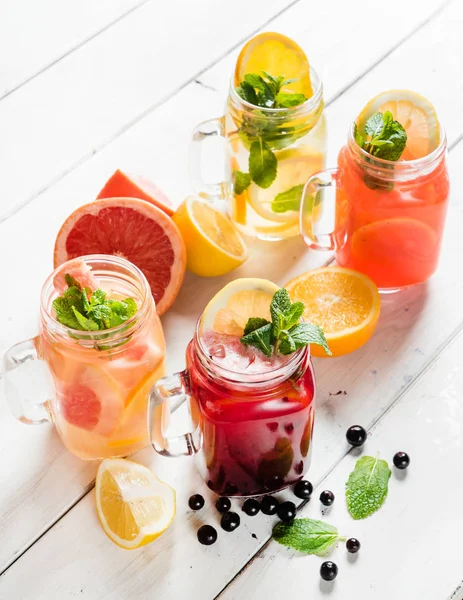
x=88, y=86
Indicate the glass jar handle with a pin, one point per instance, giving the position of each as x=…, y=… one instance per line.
x=22, y=390
x=205, y=130
x=166, y=396
x=313, y=196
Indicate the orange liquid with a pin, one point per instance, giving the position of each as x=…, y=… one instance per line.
x=392, y=235
x=100, y=405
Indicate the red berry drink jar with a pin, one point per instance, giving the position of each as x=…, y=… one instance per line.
x=252, y=416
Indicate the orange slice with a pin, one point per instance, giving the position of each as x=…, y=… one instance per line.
x=415, y=113
x=133, y=505
x=278, y=55
x=343, y=302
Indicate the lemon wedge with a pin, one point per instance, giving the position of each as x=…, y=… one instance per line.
x=229, y=310
x=214, y=245
x=133, y=505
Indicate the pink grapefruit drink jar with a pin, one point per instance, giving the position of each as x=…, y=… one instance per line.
x=94, y=384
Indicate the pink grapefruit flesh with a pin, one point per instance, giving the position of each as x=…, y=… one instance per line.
x=135, y=230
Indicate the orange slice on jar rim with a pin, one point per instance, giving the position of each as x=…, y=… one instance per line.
x=278, y=55
x=343, y=302
x=416, y=115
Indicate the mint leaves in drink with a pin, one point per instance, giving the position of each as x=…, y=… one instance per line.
x=383, y=137
x=86, y=310
x=259, y=132
x=367, y=486
x=307, y=535
x=285, y=333
x=266, y=91
x=289, y=200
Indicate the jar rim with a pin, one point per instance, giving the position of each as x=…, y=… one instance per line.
x=266, y=378
x=112, y=335
x=301, y=109
x=402, y=168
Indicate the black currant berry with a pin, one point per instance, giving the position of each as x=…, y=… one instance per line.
x=207, y=535
x=286, y=511
x=269, y=505
x=223, y=504
x=327, y=498
x=303, y=489
x=401, y=460
x=353, y=545
x=328, y=570
x=251, y=507
x=356, y=435
x=230, y=521
x=196, y=502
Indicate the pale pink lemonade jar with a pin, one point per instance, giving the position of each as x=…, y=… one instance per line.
x=100, y=381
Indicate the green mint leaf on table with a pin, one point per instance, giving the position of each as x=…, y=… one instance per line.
x=384, y=137
x=255, y=323
x=285, y=334
x=367, y=486
x=85, y=324
x=262, y=164
x=307, y=535
x=289, y=200
x=260, y=338
x=241, y=182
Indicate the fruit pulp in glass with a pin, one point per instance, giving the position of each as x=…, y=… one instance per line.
x=100, y=404
x=256, y=439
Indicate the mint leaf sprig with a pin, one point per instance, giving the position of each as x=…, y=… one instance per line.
x=307, y=535
x=285, y=333
x=367, y=486
x=86, y=310
x=266, y=91
x=383, y=137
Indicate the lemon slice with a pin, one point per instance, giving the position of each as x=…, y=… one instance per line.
x=416, y=115
x=278, y=55
x=133, y=505
x=295, y=166
x=214, y=245
x=229, y=310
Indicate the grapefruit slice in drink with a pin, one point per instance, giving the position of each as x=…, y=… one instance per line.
x=133, y=229
x=91, y=401
x=80, y=271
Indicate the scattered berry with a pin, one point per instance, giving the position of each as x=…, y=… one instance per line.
x=196, y=502
x=401, y=460
x=269, y=505
x=286, y=511
x=251, y=507
x=327, y=498
x=328, y=570
x=303, y=489
x=207, y=535
x=223, y=504
x=356, y=435
x=230, y=521
x=353, y=545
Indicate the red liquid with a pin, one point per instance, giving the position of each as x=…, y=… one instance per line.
x=392, y=235
x=254, y=441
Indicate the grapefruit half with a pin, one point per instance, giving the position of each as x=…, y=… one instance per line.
x=133, y=229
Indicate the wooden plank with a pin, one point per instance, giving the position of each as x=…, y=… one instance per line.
x=407, y=340
x=35, y=35
x=149, y=147
x=93, y=94
x=411, y=547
